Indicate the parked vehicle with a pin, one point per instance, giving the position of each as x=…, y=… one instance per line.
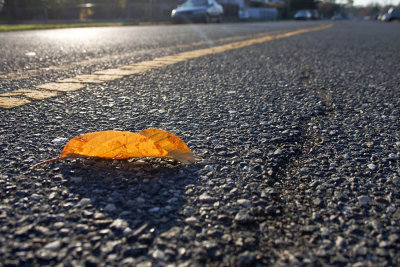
x=383, y=17
x=337, y=17
x=393, y=14
x=198, y=10
x=303, y=15
x=314, y=14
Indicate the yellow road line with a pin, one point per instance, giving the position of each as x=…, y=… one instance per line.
x=12, y=102
x=7, y=100
x=90, y=79
x=34, y=72
x=61, y=87
x=33, y=94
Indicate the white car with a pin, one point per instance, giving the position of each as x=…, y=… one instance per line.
x=198, y=10
x=303, y=15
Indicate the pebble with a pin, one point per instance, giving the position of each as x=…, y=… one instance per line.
x=46, y=254
x=119, y=224
x=172, y=233
x=59, y=225
x=340, y=242
x=52, y=195
x=127, y=231
x=205, y=197
x=59, y=140
x=35, y=197
x=364, y=200
x=42, y=230
x=82, y=228
x=243, y=217
x=128, y=261
x=317, y=201
x=54, y=246
x=278, y=152
x=347, y=156
x=371, y=166
x=191, y=220
x=360, y=250
x=303, y=171
x=155, y=209
x=144, y=264
x=208, y=168
x=244, y=202
x=390, y=209
x=84, y=202
x=110, y=208
x=30, y=54
x=158, y=254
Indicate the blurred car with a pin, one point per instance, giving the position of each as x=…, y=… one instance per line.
x=303, y=15
x=383, y=17
x=338, y=17
x=393, y=14
x=198, y=10
x=314, y=14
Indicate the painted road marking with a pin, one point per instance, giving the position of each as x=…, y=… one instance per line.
x=134, y=68
x=12, y=102
x=33, y=94
x=119, y=72
x=78, y=82
x=150, y=64
x=87, y=78
x=61, y=87
x=35, y=72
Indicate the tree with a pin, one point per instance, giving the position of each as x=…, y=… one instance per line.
x=327, y=10
x=350, y=3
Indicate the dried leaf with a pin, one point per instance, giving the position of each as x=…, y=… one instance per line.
x=112, y=145
x=176, y=148
x=124, y=145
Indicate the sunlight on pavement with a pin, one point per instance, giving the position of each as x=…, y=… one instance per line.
x=7, y=100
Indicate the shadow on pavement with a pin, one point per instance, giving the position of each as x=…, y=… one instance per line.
x=125, y=206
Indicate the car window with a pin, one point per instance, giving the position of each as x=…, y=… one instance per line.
x=192, y=3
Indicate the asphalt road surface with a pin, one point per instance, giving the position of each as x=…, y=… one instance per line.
x=297, y=124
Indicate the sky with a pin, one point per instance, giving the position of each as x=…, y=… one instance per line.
x=380, y=2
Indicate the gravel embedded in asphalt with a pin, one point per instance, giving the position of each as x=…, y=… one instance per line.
x=300, y=143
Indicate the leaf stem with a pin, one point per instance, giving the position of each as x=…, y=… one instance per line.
x=44, y=163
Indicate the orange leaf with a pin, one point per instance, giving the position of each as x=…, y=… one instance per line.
x=124, y=145
x=112, y=145
x=176, y=148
